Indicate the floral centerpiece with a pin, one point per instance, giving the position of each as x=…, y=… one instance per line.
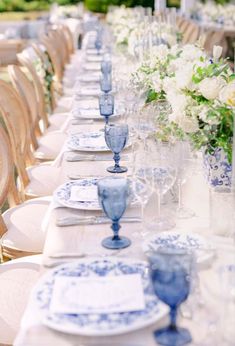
x=201, y=92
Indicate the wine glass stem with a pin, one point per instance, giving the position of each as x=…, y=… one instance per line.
x=106, y=120
x=115, y=227
x=173, y=315
x=116, y=159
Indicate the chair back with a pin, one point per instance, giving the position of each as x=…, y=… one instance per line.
x=42, y=109
x=26, y=91
x=14, y=114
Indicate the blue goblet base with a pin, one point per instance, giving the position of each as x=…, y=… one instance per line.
x=120, y=243
x=172, y=337
x=119, y=169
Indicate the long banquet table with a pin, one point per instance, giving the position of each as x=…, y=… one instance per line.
x=87, y=239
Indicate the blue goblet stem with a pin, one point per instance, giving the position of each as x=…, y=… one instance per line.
x=106, y=119
x=115, y=227
x=173, y=316
x=116, y=159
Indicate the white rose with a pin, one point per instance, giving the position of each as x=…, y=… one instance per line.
x=184, y=76
x=191, y=52
x=227, y=94
x=217, y=52
x=210, y=87
x=186, y=123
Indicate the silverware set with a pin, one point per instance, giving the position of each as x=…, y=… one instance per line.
x=92, y=220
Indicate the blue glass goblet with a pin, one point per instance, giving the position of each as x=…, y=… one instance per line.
x=113, y=194
x=106, y=105
x=106, y=67
x=106, y=83
x=170, y=271
x=116, y=137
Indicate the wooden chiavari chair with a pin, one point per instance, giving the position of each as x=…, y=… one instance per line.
x=33, y=180
x=50, y=144
x=20, y=225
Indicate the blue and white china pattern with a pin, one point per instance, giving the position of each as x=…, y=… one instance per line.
x=62, y=195
x=99, y=324
x=218, y=170
x=88, y=142
x=177, y=240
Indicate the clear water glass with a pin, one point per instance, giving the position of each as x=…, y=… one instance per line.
x=116, y=137
x=185, y=168
x=106, y=106
x=113, y=195
x=170, y=272
x=163, y=175
x=106, y=83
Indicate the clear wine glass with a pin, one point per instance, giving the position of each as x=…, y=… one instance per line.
x=185, y=168
x=170, y=271
x=113, y=195
x=116, y=137
x=163, y=175
x=106, y=105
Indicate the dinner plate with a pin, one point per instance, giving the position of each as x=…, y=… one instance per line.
x=91, y=141
x=99, y=324
x=63, y=194
x=204, y=251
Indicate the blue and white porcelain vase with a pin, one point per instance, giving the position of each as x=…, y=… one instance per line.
x=218, y=170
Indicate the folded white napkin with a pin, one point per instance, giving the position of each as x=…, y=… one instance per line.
x=113, y=294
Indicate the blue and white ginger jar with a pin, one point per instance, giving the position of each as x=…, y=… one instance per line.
x=218, y=170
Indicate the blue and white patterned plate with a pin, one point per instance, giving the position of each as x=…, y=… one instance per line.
x=91, y=141
x=63, y=192
x=62, y=195
x=177, y=240
x=98, y=324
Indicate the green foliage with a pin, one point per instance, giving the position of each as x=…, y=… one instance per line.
x=102, y=5
x=31, y=5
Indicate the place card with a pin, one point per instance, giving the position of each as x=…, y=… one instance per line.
x=86, y=295
x=83, y=193
x=94, y=142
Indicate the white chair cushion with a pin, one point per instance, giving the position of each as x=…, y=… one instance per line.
x=50, y=145
x=17, y=278
x=24, y=226
x=57, y=120
x=44, y=179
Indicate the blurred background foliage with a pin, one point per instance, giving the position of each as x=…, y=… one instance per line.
x=93, y=5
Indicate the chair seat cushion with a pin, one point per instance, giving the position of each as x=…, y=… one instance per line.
x=44, y=179
x=57, y=120
x=16, y=281
x=24, y=226
x=50, y=145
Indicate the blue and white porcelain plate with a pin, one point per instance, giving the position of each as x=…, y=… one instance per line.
x=98, y=324
x=179, y=240
x=91, y=141
x=63, y=193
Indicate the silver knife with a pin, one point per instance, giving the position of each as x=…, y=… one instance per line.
x=93, y=220
x=76, y=158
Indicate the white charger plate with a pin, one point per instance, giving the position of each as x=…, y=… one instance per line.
x=98, y=324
